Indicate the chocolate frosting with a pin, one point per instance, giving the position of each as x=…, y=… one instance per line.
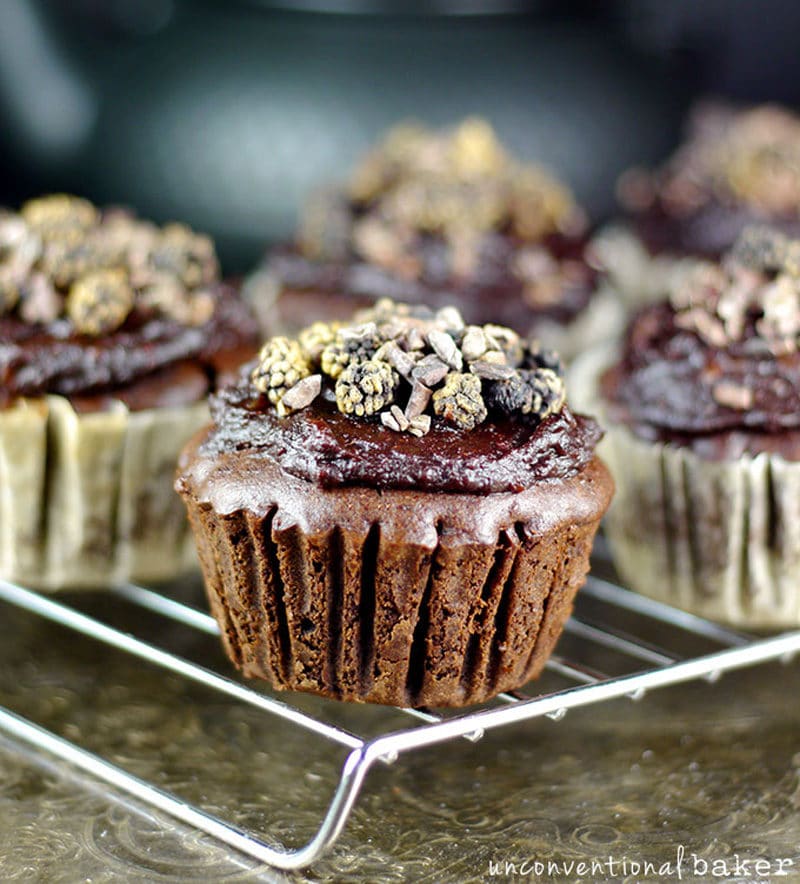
x=321, y=445
x=253, y=480
x=36, y=359
x=707, y=231
x=667, y=378
x=494, y=294
x=737, y=167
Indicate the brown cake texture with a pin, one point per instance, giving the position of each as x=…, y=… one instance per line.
x=372, y=538
x=442, y=217
x=113, y=330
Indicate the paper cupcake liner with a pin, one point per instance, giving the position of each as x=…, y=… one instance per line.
x=718, y=538
x=721, y=539
x=603, y=319
x=86, y=500
x=640, y=277
x=360, y=606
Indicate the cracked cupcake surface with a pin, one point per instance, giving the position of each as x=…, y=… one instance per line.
x=388, y=531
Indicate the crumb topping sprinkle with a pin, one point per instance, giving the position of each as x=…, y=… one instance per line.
x=751, y=297
x=404, y=365
x=62, y=258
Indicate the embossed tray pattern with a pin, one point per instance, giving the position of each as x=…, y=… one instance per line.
x=646, y=644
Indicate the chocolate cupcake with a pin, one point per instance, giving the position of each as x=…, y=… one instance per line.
x=736, y=168
x=442, y=218
x=398, y=510
x=112, y=333
x=703, y=418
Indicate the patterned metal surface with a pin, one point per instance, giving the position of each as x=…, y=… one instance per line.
x=711, y=768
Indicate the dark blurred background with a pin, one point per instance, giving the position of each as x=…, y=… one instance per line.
x=225, y=113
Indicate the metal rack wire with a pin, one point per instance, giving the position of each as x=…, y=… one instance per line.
x=654, y=666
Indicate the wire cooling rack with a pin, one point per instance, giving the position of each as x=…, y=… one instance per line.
x=615, y=623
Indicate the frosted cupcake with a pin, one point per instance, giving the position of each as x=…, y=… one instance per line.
x=702, y=412
x=441, y=217
x=398, y=510
x=112, y=333
x=736, y=168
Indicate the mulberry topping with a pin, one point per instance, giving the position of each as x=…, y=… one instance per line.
x=184, y=254
x=365, y=388
x=357, y=343
x=316, y=337
x=509, y=395
x=460, y=400
x=281, y=364
x=549, y=393
x=100, y=302
x=59, y=216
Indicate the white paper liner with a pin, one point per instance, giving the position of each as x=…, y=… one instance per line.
x=640, y=277
x=603, y=319
x=718, y=538
x=86, y=500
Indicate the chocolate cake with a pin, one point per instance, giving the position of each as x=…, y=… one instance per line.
x=442, y=218
x=112, y=333
x=703, y=417
x=397, y=510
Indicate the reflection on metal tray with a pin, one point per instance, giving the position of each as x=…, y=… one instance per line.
x=642, y=644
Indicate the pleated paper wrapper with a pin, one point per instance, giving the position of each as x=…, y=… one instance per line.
x=717, y=538
x=392, y=596
x=87, y=500
x=640, y=277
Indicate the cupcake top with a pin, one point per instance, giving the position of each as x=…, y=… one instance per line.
x=722, y=354
x=428, y=212
x=99, y=302
x=404, y=397
x=736, y=167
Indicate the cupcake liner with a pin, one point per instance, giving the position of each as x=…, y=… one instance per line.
x=721, y=539
x=394, y=597
x=87, y=498
x=718, y=538
x=603, y=319
x=640, y=277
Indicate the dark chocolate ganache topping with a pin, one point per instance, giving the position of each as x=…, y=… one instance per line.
x=406, y=398
x=721, y=355
x=558, y=282
x=93, y=303
x=736, y=168
x=428, y=216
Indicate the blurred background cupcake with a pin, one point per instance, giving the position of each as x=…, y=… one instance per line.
x=227, y=114
x=112, y=333
x=736, y=167
x=399, y=510
x=441, y=217
x=702, y=412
